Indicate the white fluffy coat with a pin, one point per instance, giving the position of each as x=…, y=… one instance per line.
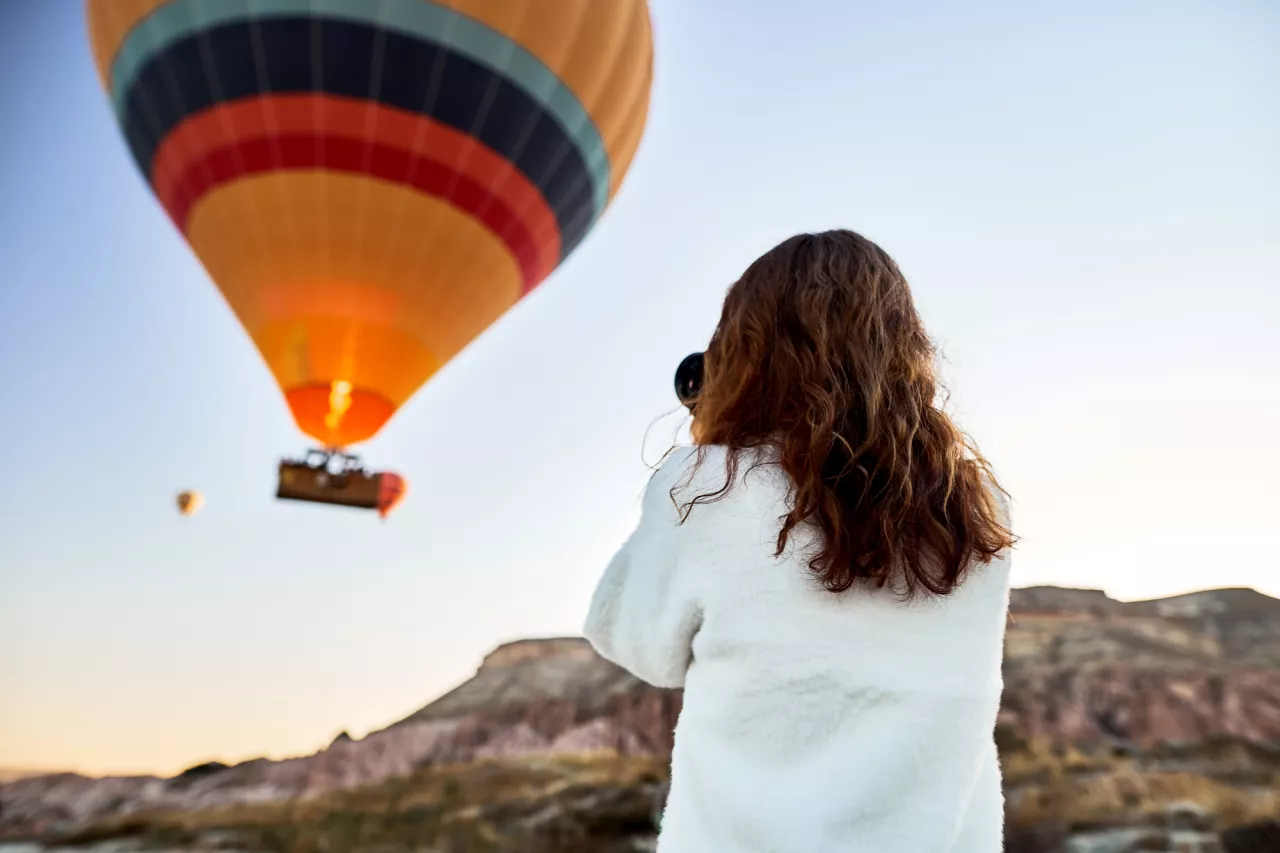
x=812, y=722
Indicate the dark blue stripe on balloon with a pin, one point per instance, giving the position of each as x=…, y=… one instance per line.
x=309, y=54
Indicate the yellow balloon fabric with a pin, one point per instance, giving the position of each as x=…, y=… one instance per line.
x=372, y=183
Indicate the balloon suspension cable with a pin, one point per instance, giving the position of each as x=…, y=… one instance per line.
x=333, y=460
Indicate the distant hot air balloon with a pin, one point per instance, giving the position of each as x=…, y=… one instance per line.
x=371, y=183
x=189, y=503
x=391, y=490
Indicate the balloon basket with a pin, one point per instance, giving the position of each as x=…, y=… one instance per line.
x=333, y=477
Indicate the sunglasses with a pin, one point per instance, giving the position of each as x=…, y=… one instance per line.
x=689, y=379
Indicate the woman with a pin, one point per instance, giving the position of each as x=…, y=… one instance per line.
x=825, y=573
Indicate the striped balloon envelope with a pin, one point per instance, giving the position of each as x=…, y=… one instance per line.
x=371, y=183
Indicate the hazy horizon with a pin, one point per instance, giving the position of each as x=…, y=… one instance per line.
x=9, y=772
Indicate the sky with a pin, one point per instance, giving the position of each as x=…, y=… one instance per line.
x=1084, y=196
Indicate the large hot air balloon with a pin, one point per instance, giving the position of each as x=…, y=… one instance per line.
x=371, y=183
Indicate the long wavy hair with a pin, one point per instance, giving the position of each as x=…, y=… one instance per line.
x=821, y=357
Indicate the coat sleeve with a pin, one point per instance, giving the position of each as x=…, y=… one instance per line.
x=646, y=609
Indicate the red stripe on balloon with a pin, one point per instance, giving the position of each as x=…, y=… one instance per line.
x=315, y=115
x=248, y=157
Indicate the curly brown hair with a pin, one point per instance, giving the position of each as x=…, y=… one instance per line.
x=821, y=357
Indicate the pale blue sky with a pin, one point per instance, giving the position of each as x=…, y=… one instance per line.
x=1085, y=197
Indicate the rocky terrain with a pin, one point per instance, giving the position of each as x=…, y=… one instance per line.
x=529, y=698
x=1081, y=667
x=1122, y=723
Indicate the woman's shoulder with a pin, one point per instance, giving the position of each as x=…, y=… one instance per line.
x=729, y=475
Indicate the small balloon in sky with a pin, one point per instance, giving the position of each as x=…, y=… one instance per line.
x=391, y=490
x=189, y=503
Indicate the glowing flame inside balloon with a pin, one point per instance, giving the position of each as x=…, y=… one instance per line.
x=339, y=402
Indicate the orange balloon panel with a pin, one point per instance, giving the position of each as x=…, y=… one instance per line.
x=371, y=185
x=339, y=278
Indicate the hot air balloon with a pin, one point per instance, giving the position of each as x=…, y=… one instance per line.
x=189, y=503
x=372, y=184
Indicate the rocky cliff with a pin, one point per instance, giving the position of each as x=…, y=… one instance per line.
x=1080, y=669
x=1080, y=666
x=528, y=698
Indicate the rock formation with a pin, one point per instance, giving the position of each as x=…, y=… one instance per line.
x=1080, y=668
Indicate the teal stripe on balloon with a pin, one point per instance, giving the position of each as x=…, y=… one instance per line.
x=422, y=19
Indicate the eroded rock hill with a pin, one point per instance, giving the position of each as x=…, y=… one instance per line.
x=1079, y=667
